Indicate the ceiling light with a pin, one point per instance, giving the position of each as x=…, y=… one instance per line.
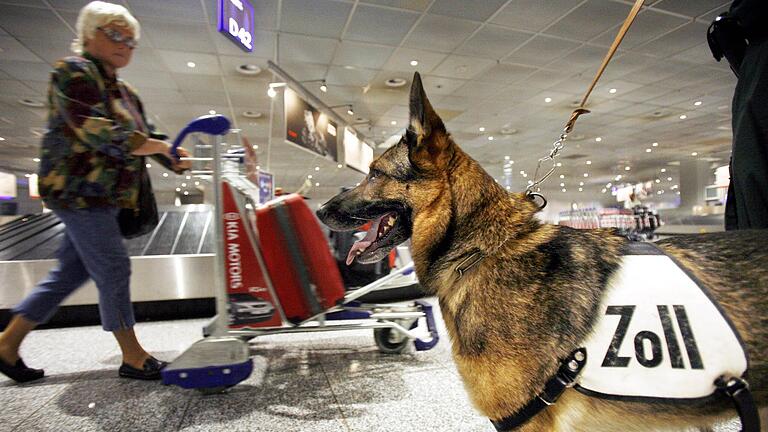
x=604, y=190
x=395, y=82
x=35, y=159
x=694, y=154
x=248, y=69
x=323, y=87
x=648, y=150
x=165, y=174
x=309, y=176
x=612, y=91
x=548, y=99
x=669, y=178
x=414, y=62
x=609, y=184
x=581, y=183
x=482, y=129
x=697, y=103
x=663, y=170
x=562, y=184
x=2, y=139
x=564, y=189
x=586, y=174
x=626, y=168
x=317, y=168
x=559, y=164
x=490, y=138
x=178, y=189
x=189, y=177
x=183, y=185
x=581, y=189
x=317, y=184
x=655, y=144
x=186, y=192
x=506, y=157
x=589, y=162
x=562, y=175
x=523, y=172
x=598, y=139
x=191, y=64
x=393, y=123
x=149, y=165
x=339, y=166
x=212, y=112
x=252, y=115
x=27, y=175
x=350, y=111
x=271, y=92
x=618, y=177
x=657, y=181
x=683, y=116
x=197, y=183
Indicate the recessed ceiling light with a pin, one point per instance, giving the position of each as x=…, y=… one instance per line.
x=178, y=189
x=35, y=159
x=694, y=154
x=562, y=184
x=697, y=103
x=2, y=139
x=317, y=168
x=581, y=189
x=149, y=165
x=197, y=183
x=581, y=183
x=309, y=176
x=490, y=138
x=252, y=114
x=522, y=172
x=339, y=166
x=663, y=170
x=612, y=91
x=211, y=112
x=165, y=174
x=598, y=139
x=27, y=175
x=393, y=123
x=604, y=190
x=562, y=176
x=481, y=129
x=657, y=181
x=589, y=162
x=627, y=168
x=655, y=144
x=186, y=192
x=191, y=64
x=395, y=82
x=183, y=185
x=189, y=177
x=586, y=174
x=669, y=178
x=618, y=177
x=548, y=99
x=559, y=164
x=506, y=157
x=317, y=184
x=414, y=62
x=683, y=116
x=248, y=69
x=564, y=189
x=648, y=150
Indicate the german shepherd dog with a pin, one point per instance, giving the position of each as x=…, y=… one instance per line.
x=534, y=295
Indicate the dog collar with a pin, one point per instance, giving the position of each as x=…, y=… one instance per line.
x=553, y=389
x=468, y=263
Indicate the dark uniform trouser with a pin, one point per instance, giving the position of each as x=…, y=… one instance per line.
x=747, y=205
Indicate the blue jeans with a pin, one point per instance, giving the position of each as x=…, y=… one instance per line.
x=92, y=247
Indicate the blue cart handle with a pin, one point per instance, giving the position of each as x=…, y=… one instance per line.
x=210, y=124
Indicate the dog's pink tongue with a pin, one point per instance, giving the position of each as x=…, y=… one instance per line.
x=363, y=244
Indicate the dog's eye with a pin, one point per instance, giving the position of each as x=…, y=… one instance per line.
x=374, y=174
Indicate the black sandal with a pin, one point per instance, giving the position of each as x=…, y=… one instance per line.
x=150, y=371
x=19, y=372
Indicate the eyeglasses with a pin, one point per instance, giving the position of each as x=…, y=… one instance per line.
x=117, y=37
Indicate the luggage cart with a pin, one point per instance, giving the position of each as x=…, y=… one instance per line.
x=275, y=274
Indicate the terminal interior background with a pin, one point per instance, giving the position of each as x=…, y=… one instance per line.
x=503, y=74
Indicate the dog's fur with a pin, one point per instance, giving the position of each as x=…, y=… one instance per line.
x=534, y=296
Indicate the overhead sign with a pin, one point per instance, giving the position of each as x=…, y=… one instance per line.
x=236, y=22
x=357, y=154
x=266, y=186
x=308, y=127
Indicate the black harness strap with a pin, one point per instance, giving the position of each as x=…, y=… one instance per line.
x=738, y=390
x=553, y=389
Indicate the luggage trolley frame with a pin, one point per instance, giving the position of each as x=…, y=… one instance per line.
x=222, y=358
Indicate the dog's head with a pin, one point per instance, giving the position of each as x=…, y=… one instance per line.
x=401, y=183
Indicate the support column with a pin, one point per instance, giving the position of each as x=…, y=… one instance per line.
x=695, y=174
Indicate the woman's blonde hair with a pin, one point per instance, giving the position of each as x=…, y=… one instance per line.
x=97, y=14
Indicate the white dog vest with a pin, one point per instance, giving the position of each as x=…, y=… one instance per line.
x=659, y=335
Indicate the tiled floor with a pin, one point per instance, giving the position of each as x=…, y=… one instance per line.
x=334, y=381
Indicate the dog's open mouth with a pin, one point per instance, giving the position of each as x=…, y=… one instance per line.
x=386, y=232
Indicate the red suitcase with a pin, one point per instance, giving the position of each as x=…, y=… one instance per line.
x=298, y=258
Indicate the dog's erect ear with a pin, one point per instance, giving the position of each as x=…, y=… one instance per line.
x=431, y=139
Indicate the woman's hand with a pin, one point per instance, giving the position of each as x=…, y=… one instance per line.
x=185, y=165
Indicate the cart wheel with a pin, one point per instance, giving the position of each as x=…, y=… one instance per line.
x=390, y=341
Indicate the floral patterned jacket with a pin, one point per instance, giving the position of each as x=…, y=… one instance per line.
x=86, y=156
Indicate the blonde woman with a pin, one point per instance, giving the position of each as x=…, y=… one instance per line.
x=90, y=169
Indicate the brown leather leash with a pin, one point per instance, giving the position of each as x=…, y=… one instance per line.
x=559, y=144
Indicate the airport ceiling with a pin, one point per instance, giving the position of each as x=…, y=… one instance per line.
x=512, y=67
